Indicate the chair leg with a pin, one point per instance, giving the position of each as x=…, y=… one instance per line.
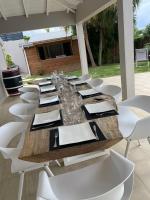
x=49, y=172
x=58, y=163
x=139, y=143
x=127, y=148
x=21, y=185
x=148, y=138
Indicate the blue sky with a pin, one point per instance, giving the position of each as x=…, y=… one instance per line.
x=143, y=14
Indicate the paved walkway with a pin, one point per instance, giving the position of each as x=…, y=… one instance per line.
x=142, y=82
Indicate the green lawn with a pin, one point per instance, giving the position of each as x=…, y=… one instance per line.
x=97, y=72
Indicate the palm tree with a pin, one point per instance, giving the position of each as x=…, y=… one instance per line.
x=136, y=3
x=88, y=46
x=105, y=22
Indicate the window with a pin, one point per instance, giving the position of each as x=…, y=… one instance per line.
x=55, y=50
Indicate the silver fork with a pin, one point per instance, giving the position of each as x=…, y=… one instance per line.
x=56, y=136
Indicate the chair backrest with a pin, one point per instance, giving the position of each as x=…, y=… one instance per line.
x=32, y=88
x=30, y=97
x=8, y=132
x=114, y=166
x=95, y=82
x=23, y=110
x=112, y=90
x=139, y=101
x=85, y=77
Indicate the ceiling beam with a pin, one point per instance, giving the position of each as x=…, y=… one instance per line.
x=25, y=8
x=89, y=8
x=2, y=11
x=67, y=5
x=36, y=21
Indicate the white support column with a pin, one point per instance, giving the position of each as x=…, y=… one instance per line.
x=82, y=49
x=126, y=45
x=3, y=66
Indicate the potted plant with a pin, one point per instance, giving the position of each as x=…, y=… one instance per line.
x=11, y=76
x=9, y=62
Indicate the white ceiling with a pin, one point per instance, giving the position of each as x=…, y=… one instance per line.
x=10, y=8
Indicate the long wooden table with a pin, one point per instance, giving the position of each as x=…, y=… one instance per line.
x=36, y=143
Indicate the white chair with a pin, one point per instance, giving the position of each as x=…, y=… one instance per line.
x=30, y=97
x=32, y=88
x=23, y=111
x=7, y=133
x=95, y=82
x=84, y=77
x=131, y=126
x=109, y=179
x=111, y=90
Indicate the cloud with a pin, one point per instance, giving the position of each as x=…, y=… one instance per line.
x=143, y=14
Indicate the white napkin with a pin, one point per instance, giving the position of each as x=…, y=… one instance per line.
x=45, y=100
x=75, y=133
x=77, y=82
x=47, y=117
x=45, y=83
x=48, y=88
x=99, y=107
x=88, y=92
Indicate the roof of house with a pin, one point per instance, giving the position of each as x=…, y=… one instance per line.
x=49, y=36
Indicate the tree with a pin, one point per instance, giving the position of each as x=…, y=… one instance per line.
x=138, y=33
x=105, y=23
x=71, y=28
x=88, y=46
x=147, y=31
x=66, y=28
x=136, y=3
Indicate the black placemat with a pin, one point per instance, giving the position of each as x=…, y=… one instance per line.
x=49, y=104
x=98, y=115
x=48, y=91
x=84, y=83
x=55, y=131
x=47, y=125
x=49, y=78
x=73, y=79
x=91, y=95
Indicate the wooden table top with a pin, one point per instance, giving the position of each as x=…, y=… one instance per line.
x=36, y=143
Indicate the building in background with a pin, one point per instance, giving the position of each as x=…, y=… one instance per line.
x=51, y=51
x=12, y=44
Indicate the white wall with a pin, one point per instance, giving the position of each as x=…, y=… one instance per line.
x=13, y=48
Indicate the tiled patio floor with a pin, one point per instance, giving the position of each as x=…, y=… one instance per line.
x=142, y=82
x=139, y=155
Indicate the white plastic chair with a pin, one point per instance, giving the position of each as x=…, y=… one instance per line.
x=32, y=88
x=7, y=133
x=84, y=77
x=23, y=111
x=109, y=179
x=131, y=126
x=95, y=82
x=111, y=90
x=30, y=97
